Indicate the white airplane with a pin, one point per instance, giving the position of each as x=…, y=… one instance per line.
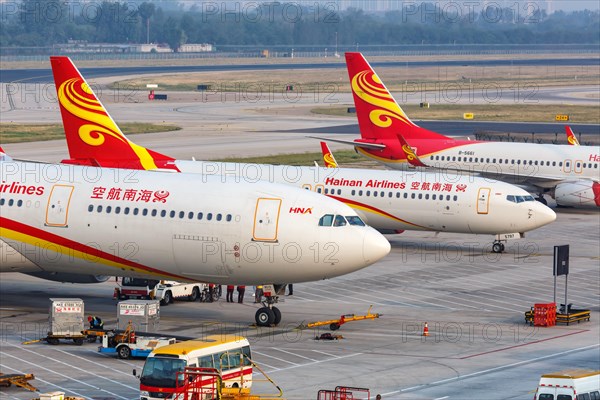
x=569, y=174
x=387, y=200
x=69, y=219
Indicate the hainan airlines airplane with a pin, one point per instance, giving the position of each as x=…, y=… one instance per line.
x=569, y=174
x=69, y=219
x=387, y=200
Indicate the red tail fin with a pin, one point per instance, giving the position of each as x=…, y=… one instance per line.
x=379, y=116
x=328, y=157
x=571, y=138
x=93, y=137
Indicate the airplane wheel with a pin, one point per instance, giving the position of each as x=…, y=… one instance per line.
x=78, y=341
x=124, y=352
x=497, y=247
x=264, y=316
x=277, y=314
x=502, y=247
x=53, y=341
x=334, y=327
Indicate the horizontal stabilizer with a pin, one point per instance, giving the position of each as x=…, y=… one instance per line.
x=374, y=146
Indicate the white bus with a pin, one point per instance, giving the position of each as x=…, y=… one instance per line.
x=228, y=354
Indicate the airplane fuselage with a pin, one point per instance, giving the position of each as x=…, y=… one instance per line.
x=72, y=219
x=394, y=200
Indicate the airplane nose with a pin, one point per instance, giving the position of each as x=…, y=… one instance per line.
x=375, y=246
x=540, y=215
x=544, y=215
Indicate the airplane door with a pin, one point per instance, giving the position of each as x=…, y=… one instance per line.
x=266, y=219
x=567, y=166
x=578, y=166
x=483, y=201
x=57, y=210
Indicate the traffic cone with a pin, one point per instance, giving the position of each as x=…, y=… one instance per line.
x=425, y=330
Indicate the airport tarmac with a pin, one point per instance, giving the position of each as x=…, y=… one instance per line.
x=474, y=302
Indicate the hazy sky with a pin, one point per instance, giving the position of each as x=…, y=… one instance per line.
x=569, y=5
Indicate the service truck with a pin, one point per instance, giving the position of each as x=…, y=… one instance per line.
x=577, y=384
x=165, y=291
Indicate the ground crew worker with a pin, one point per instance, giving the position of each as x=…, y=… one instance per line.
x=211, y=290
x=95, y=322
x=241, y=290
x=290, y=289
x=258, y=293
x=230, y=293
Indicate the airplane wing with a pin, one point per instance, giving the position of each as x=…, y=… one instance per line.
x=374, y=146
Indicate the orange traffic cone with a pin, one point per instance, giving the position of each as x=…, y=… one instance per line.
x=425, y=330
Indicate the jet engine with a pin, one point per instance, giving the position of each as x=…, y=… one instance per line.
x=581, y=193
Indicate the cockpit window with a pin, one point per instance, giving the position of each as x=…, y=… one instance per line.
x=339, y=221
x=355, y=220
x=326, y=220
x=519, y=199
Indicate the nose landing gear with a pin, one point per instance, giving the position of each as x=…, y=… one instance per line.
x=268, y=314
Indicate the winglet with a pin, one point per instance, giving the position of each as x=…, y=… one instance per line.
x=571, y=138
x=379, y=115
x=4, y=156
x=328, y=157
x=410, y=153
x=92, y=135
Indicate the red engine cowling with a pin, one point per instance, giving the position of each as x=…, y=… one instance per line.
x=582, y=193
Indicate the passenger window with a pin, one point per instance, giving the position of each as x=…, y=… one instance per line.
x=353, y=192
x=221, y=360
x=412, y=196
x=406, y=195
x=433, y=196
x=583, y=396
x=455, y=198
x=234, y=358
x=136, y=211
x=339, y=221
x=181, y=214
x=339, y=191
x=2, y=202
x=368, y=193
x=209, y=216
x=90, y=207
x=219, y=217
x=427, y=197
x=154, y=212
x=206, y=362
x=360, y=192
x=397, y=195
x=126, y=211
x=108, y=208
x=420, y=196
x=247, y=355
x=99, y=209
x=326, y=191
x=229, y=217
x=374, y=194
x=200, y=215
x=190, y=215
x=382, y=194
x=326, y=220
x=117, y=210
x=172, y=214
x=163, y=213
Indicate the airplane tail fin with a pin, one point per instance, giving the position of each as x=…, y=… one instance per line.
x=571, y=138
x=379, y=115
x=328, y=157
x=93, y=137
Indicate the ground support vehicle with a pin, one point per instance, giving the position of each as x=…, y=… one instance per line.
x=335, y=324
x=19, y=380
x=127, y=344
x=165, y=291
x=577, y=384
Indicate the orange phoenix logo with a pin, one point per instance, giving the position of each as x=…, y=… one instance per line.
x=367, y=86
x=77, y=98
